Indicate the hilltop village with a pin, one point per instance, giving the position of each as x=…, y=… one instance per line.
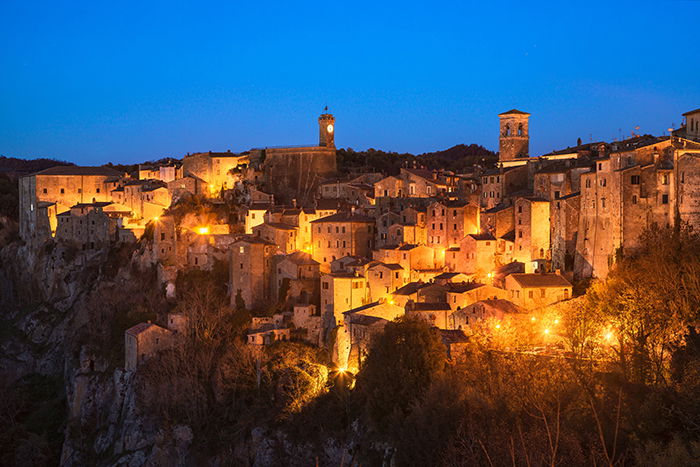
x=331, y=260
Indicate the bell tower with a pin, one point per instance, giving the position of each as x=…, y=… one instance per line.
x=326, y=129
x=514, y=139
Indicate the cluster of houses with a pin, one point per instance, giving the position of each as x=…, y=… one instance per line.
x=331, y=260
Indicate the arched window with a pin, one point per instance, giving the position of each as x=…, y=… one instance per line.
x=506, y=132
x=520, y=129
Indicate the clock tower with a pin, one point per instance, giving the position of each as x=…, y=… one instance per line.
x=326, y=128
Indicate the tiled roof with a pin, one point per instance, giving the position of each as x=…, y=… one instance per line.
x=345, y=216
x=482, y=236
x=301, y=258
x=514, y=112
x=409, y=289
x=532, y=280
x=77, y=170
x=453, y=336
x=421, y=306
x=139, y=328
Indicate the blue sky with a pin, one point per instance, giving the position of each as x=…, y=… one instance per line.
x=93, y=82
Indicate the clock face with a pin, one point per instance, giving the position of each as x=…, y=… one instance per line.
x=330, y=128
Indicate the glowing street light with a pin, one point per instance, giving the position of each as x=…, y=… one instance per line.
x=203, y=230
x=498, y=326
x=546, y=331
x=533, y=319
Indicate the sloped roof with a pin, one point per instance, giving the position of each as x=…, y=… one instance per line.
x=482, y=236
x=453, y=336
x=532, y=280
x=301, y=258
x=692, y=112
x=422, y=306
x=140, y=328
x=514, y=112
x=345, y=216
x=78, y=170
x=506, y=306
x=409, y=289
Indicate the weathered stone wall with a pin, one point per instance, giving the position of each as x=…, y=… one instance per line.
x=295, y=173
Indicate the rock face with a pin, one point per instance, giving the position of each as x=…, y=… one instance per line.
x=57, y=304
x=63, y=314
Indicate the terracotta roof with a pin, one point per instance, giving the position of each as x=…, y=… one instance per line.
x=421, y=306
x=139, y=328
x=447, y=275
x=392, y=266
x=279, y=226
x=532, y=280
x=453, y=336
x=77, y=170
x=409, y=289
x=345, y=216
x=482, y=236
x=301, y=258
x=506, y=306
x=692, y=112
x=514, y=112
x=463, y=287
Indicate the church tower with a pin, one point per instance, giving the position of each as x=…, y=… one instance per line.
x=326, y=128
x=514, y=140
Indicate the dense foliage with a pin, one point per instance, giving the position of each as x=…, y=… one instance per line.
x=457, y=158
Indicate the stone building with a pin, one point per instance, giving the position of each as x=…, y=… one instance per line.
x=296, y=172
x=91, y=225
x=498, y=185
x=251, y=271
x=142, y=342
x=214, y=169
x=482, y=310
x=341, y=292
x=382, y=279
x=342, y=234
x=45, y=194
x=626, y=193
x=477, y=254
x=537, y=290
x=298, y=276
x=447, y=222
x=532, y=230
x=514, y=140
x=283, y=235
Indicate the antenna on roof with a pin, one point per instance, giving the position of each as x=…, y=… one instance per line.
x=325, y=109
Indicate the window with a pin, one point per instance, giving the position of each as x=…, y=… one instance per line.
x=664, y=199
x=520, y=209
x=63, y=191
x=603, y=182
x=664, y=179
x=542, y=293
x=634, y=199
x=634, y=180
x=520, y=129
x=325, y=286
x=556, y=195
x=45, y=191
x=588, y=183
x=531, y=294
x=520, y=234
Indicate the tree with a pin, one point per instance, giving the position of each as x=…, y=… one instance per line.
x=399, y=368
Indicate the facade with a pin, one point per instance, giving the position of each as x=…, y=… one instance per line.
x=341, y=234
x=142, y=342
x=45, y=194
x=537, y=290
x=514, y=140
x=251, y=271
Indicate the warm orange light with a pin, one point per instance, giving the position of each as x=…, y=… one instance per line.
x=498, y=326
x=489, y=275
x=609, y=336
x=156, y=218
x=556, y=321
x=533, y=319
x=546, y=331
x=391, y=302
x=203, y=230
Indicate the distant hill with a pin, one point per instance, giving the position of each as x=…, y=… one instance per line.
x=458, y=158
x=14, y=168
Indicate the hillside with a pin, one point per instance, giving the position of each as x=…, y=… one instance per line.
x=458, y=158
